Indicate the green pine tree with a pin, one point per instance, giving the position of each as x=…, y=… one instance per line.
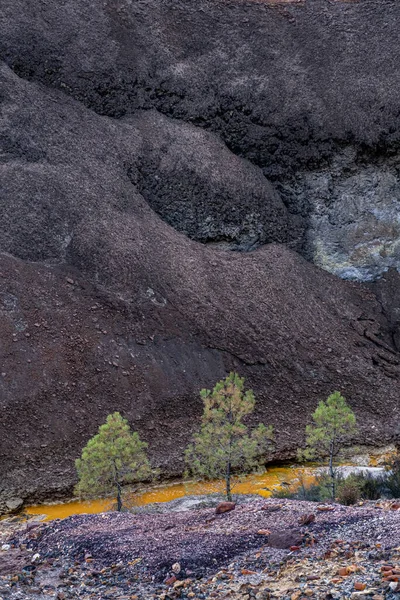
x=334, y=424
x=223, y=445
x=112, y=458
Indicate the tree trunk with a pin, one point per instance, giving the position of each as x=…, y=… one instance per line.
x=119, y=499
x=228, y=481
x=332, y=473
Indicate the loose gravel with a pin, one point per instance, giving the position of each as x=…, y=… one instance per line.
x=264, y=549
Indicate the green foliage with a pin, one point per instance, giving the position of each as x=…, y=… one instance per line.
x=223, y=444
x=391, y=480
x=319, y=491
x=349, y=490
x=371, y=488
x=112, y=458
x=334, y=423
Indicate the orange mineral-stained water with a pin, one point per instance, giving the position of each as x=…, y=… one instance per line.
x=263, y=485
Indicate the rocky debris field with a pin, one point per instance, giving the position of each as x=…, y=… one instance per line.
x=263, y=549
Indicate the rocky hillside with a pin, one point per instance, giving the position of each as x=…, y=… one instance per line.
x=173, y=177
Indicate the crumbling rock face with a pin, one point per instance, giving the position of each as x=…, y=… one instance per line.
x=291, y=86
x=125, y=132
x=190, y=178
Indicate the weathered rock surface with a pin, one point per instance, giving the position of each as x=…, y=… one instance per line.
x=124, y=132
x=308, y=91
x=190, y=178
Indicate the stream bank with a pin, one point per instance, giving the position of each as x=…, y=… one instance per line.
x=262, y=485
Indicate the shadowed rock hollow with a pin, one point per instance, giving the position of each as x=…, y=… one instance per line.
x=140, y=142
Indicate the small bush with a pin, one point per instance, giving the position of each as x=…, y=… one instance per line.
x=391, y=480
x=371, y=487
x=319, y=491
x=349, y=490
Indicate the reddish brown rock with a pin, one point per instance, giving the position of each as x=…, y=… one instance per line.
x=307, y=519
x=359, y=586
x=248, y=572
x=224, y=507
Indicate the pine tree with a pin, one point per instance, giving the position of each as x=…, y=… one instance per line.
x=334, y=423
x=112, y=458
x=223, y=445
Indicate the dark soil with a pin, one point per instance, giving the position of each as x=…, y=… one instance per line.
x=129, y=133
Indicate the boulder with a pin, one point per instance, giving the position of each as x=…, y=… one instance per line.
x=224, y=507
x=14, y=504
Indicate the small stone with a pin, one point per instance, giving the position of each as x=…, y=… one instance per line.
x=224, y=507
x=170, y=580
x=394, y=586
x=263, y=532
x=386, y=567
x=248, y=572
x=69, y=280
x=307, y=519
x=5, y=547
x=176, y=568
x=14, y=504
x=359, y=586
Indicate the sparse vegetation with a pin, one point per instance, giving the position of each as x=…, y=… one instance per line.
x=223, y=445
x=390, y=483
x=334, y=423
x=112, y=458
x=317, y=491
x=349, y=490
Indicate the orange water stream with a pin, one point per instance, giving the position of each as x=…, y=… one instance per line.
x=263, y=485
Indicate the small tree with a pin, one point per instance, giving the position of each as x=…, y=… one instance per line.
x=222, y=445
x=334, y=423
x=112, y=458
